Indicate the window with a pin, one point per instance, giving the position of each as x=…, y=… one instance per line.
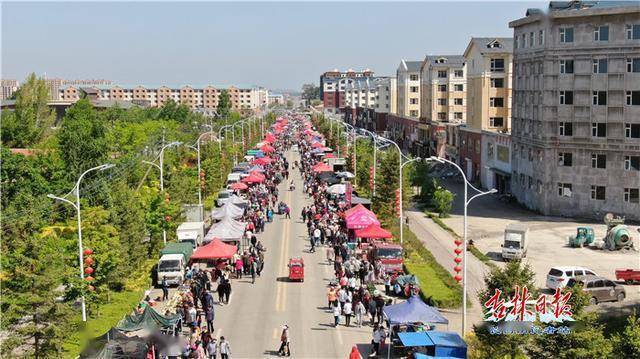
x=516, y=41
x=442, y=88
x=633, y=32
x=599, y=129
x=442, y=101
x=565, y=129
x=565, y=159
x=632, y=163
x=457, y=101
x=497, y=83
x=496, y=102
x=442, y=74
x=442, y=116
x=541, y=37
x=457, y=115
x=633, y=64
x=601, y=33
x=632, y=130
x=600, y=98
x=598, y=161
x=598, y=193
x=460, y=87
x=564, y=189
x=600, y=66
x=458, y=73
x=413, y=77
x=413, y=113
x=633, y=98
x=478, y=147
x=566, y=34
x=413, y=101
x=532, y=38
x=496, y=122
x=413, y=89
x=566, y=97
x=632, y=195
x=497, y=65
x=566, y=66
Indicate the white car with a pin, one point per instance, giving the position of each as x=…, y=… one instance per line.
x=223, y=197
x=559, y=276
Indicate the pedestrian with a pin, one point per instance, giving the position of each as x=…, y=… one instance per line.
x=212, y=348
x=287, y=212
x=284, y=342
x=192, y=317
x=227, y=291
x=254, y=271
x=336, y=314
x=373, y=310
x=225, y=349
x=348, y=311
x=239, y=267
x=375, y=341
x=360, y=312
x=312, y=241
x=165, y=289
x=209, y=316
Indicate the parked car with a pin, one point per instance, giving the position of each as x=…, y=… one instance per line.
x=599, y=289
x=558, y=277
x=223, y=197
x=629, y=276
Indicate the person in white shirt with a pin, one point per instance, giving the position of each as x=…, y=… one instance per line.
x=225, y=349
x=360, y=311
x=336, y=314
x=348, y=311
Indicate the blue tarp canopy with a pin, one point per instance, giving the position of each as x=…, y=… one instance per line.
x=413, y=310
x=415, y=339
x=448, y=344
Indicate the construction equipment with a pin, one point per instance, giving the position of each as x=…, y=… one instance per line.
x=584, y=237
x=618, y=235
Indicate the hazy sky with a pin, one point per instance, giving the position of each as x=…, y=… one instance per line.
x=277, y=45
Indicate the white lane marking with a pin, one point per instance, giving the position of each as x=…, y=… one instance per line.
x=339, y=334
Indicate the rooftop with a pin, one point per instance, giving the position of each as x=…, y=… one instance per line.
x=412, y=66
x=488, y=45
x=171, y=86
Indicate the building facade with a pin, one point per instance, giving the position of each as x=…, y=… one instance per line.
x=8, y=88
x=495, y=159
x=576, y=109
x=408, y=89
x=443, y=89
x=333, y=84
x=195, y=97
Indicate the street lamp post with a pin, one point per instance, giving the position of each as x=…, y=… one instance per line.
x=375, y=150
x=77, y=207
x=464, y=245
x=160, y=167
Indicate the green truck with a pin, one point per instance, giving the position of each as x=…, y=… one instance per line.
x=174, y=258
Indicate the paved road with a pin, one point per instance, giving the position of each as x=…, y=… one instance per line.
x=253, y=319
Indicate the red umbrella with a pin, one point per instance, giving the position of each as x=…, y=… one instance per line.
x=257, y=174
x=267, y=148
x=316, y=145
x=262, y=161
x=239, y=186
x=322, y=167
x=252, y=179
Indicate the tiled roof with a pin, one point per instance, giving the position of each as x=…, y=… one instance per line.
x=483, y=44
x=413, y=66
x=171, y=86
x=450, y=60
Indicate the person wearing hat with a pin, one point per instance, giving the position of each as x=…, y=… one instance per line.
x=284, y=342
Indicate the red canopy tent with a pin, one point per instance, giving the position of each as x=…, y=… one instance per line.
x=257, y=174
x=322, y=167
x=267, y=148
x=373, y=231
x=361, y=219
x=356, y=208
x=214, y=250
x=269, y=137
x=262, y=161
x=239, y=186
x=316, y=145
x=252, y=179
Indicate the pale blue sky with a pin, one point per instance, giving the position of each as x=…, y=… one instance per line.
x=277, y=45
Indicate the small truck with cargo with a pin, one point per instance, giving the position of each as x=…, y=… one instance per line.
x=172, y=265
x=191, y=232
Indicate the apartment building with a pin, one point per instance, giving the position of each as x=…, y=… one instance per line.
x=408, y=89
x=366, y=99
x=195, y=97
x=8, y=88
x=489, y=81
x=333, y=84
x=443, y=89
x=576, y=109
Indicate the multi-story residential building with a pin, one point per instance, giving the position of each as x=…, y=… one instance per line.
x=277, y=99
x=408, y=88
x=576, y=109
x=8, y=88
x=443, y=89
x=368, y=100
x=204, y=97
x=332, y=86
x=386, y=94
x=488, y=71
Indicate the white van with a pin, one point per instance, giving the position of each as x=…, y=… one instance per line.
x=559, y=276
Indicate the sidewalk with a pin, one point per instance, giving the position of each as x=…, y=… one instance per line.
x=441, y=244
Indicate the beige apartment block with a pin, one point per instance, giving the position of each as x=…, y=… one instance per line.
x=408, y=89
x=576, y=109
x=443, y=89
x=489, y=70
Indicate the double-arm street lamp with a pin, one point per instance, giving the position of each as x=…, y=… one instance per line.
x=76, y=205
x=160, y=166
x=479, y=193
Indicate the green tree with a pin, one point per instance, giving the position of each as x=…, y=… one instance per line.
x=224, y=104
x=443, y=200
x=170, y=110
x=82, y=139
x=310, y=92
x=488, y=345
x=627, y=343
x=386, y=184
x=32, y=116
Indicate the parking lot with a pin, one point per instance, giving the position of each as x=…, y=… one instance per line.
x=548, y=238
